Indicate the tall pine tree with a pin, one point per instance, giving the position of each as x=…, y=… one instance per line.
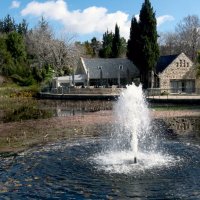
x=133, y=46
x=106, y=51
x=116, y=43
x=113, y=45
x=143, y=48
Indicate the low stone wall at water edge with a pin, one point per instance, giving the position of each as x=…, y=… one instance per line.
x=183, y=125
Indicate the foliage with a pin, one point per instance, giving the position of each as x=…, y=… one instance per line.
x=143, y=49
x=13, y=90
x=6, y=61
x=25, y=109
x=88, y=48
x=198, y=64
x=185, y=38
x=106, y=51
x=113, y=45
x=16, y=46
x=116, y=43
x=95, y=46
x=188, y=35
x=34, y=56
x=44, y=49
x=8, y=25
x=92, y=47
x=45, y=73
x=133, y=46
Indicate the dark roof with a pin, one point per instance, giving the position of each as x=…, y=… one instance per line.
x=164, y=61
x=110, y=67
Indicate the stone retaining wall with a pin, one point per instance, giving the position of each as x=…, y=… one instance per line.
x=183, y=125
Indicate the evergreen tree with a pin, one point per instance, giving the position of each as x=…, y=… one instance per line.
x=1, y=26
x=134, y=46
x=123, y=47
x=6, y=60
x=95, y=46
x=22, y=28
x=88, y=48
x=16, y=46
x=8, y=24
x=106, y=51
x=144, y=39
x=116, y=43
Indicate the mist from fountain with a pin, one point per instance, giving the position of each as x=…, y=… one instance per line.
x=132, y=114
x=133, y=144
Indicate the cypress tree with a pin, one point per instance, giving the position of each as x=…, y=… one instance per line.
x=116, y=43
x=133, y=46
x=143, y=39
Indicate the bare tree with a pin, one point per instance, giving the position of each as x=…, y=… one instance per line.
x=65, y=54
x=168, y=43
x=46, y=49
x=188, y=31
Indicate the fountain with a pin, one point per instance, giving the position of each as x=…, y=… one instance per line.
x=133, y=115
x=133, y=144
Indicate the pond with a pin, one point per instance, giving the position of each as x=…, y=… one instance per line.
x=80, y=169
x=118, y=152
x=120, y=156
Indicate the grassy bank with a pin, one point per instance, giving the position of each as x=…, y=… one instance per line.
x=17, y=104
x=167, y=107
x=24, y=123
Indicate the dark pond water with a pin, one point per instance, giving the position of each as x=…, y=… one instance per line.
x=85, y=168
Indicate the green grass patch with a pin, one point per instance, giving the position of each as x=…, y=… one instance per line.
x=17, y=104
x=14, y=90
x=175, y=107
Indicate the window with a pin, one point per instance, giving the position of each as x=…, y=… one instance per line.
x=120, y=67
x=185, y=86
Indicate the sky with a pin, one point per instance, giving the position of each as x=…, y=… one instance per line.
x=84, y=19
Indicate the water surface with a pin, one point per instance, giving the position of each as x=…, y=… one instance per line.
x=77, y=169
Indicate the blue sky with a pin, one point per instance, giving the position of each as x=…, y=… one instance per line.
x=87, y=18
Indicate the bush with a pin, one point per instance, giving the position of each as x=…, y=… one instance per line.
x=25, y=112
x=164, y=93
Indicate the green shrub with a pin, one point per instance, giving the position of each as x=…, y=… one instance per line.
x=25, y=112
x=164, y=93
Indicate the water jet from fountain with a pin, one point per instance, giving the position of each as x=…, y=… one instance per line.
x=133, y=115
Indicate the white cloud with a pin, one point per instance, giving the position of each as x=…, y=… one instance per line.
x=137, y=17
x=15, y=4
x=164, y=18
x=90, y=20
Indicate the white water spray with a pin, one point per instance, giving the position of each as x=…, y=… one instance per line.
x=133, y=115
x=132, y=146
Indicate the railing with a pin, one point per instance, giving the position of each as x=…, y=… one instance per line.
x=153, y=93
x=172, y=92
x=79, y=90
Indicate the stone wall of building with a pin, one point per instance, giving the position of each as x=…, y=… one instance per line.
x=197, y=85
x=181, y=68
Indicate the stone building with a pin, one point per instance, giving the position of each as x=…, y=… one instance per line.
x=108, y=71
x=175, y=74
